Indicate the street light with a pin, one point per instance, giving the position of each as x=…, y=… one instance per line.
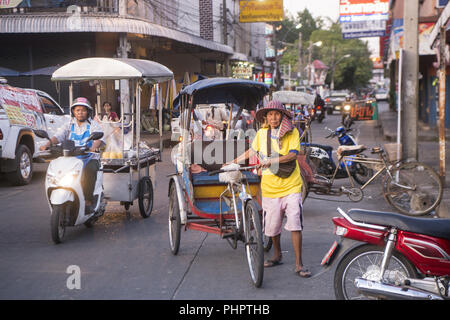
x=334, y=65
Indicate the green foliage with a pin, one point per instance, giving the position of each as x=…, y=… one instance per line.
x=349, y=73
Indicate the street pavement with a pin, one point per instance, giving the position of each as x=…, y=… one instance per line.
x=127, y=257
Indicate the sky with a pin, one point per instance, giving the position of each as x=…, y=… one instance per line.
x=325, y=8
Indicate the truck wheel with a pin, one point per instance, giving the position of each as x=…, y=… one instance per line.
x=23, y=167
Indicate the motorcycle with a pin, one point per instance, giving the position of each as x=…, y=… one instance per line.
x=64, y=190
x=321, y=158
x=395, y=257
x=346, y=109
x=319, y=113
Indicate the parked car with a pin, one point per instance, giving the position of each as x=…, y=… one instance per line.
x=334, y=101
x=381, y=95
x=21, y=111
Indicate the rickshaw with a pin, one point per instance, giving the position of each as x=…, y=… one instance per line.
x=128, y=174
x=220, y=200
x=295, y=101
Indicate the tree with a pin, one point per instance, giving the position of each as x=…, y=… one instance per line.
x=350, y=73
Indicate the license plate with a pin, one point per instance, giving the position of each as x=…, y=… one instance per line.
x=327, y=258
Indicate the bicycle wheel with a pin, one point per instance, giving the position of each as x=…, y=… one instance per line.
x=413, y=188
x=254, y=247
x=174, y=220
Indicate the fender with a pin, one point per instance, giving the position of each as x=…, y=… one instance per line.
x=345, y=246
x=60, y=196
x=181, y=203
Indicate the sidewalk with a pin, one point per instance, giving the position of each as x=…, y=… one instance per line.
x=152, y=139
x=428, y=149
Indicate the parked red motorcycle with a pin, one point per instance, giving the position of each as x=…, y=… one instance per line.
x=400, y=257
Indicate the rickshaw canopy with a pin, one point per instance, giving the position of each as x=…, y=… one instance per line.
x=293, y=97
x=245, y=93
x=112, y=69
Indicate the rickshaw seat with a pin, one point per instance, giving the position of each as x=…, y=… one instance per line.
x=344, y=151
x=203, y=179
x=211, y=155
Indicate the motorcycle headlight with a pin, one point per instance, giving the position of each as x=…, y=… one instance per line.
x=347, y=107
x=68, y=179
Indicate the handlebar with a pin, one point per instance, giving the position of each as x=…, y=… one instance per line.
x=210, y=173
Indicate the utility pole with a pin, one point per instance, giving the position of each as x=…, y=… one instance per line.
x=300, y=62
x=410, y=83
x=309, y=61
x=276, y=78
x=333, y=65
x=442, y=79
x=225, y=37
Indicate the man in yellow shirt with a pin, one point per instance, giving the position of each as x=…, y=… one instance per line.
x=281, y=181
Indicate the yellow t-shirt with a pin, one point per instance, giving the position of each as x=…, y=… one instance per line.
x=273, y=186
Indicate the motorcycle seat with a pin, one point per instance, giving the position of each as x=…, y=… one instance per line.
x=343, y=151
x=434, y=227
x=328, y=149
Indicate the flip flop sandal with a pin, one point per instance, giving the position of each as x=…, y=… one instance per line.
x=304, y=273
x=272, y=263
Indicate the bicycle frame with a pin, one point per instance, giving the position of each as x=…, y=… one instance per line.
x=381, y=161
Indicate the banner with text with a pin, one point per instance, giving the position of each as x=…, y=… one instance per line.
x=362, y=10
x=261, y=11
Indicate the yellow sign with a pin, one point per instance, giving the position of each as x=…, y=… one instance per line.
x=261, y=10
x=4, y=4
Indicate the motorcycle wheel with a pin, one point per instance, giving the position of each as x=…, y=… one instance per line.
x=364, y=262
x=361, y=173
x=58, y=222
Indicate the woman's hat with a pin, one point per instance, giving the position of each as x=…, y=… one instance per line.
x=272, y=105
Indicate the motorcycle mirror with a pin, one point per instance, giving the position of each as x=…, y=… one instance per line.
x=41, y=134
x=95, y=136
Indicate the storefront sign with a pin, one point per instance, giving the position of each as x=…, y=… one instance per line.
x=4, y=4
x=22, y=107
x=362, y=112
x=261, y=11
x=363, y=29
x=362, y=10
x=267, y=78
x=242, y=71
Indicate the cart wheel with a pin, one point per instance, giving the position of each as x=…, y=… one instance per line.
x=254, y=247
x=145, y=197
x=174, y=220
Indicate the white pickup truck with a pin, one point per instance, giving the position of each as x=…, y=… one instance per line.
x=21, y=111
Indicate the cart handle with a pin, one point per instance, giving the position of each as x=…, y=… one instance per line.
x=210, y=173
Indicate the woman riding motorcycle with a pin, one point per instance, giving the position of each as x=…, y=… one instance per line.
x=78, y=130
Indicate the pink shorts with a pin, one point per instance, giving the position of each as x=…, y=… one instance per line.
x=274, y=209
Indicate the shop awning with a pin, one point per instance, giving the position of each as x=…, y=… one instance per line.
x=63, y=24
x=112, y=69
x=237, y=56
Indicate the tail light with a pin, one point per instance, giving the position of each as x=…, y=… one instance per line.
x=327, y=100
x=319, y=107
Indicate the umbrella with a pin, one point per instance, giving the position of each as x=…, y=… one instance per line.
x=47, y=71
x=5, y=72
